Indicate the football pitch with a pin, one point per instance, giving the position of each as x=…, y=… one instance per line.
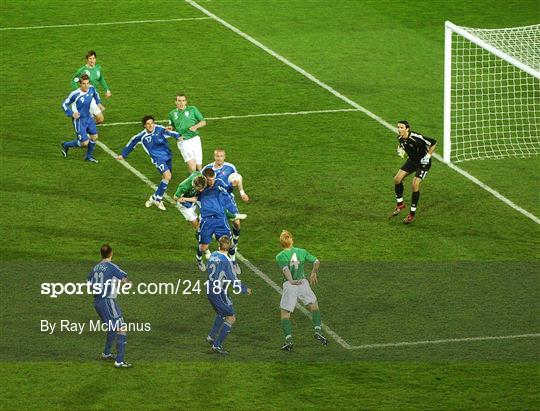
x=440, y=314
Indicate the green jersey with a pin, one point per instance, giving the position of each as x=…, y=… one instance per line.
x=185, y=188
x=294, y=258
x=96, y=77
x=182, y=120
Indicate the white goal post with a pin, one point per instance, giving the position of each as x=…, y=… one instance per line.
x=491, y=92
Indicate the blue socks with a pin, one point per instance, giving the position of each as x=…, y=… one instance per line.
x=160, y=191
x=218, y=322
x=109, y=342
x=225, y=330
x=120, y=347
x=90, y=149
x=72, y=144
x=235, y=235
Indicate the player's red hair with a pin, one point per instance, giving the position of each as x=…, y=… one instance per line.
x=286, y=239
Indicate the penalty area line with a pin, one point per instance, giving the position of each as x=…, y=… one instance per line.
x=354, y=104
x=443, y=341
x=286, y=113
x=112, y=23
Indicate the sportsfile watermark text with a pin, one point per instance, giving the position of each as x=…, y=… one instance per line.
x=114, y=288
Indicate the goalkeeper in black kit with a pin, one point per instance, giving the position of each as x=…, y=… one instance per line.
x=419, y=149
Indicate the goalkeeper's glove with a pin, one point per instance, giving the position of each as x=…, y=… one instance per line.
x=400, y=152
x=425, y=160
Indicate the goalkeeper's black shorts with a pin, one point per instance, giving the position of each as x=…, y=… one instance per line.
x=416, y=167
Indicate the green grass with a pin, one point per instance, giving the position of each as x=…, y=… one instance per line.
x=269, y=386
x=467, y=267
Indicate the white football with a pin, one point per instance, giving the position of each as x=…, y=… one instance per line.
x=235, y=178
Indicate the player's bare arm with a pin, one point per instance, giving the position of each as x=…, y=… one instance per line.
x=288, y=276
x=243, y=194
x=198, y=125
x=313, y=276
x=187, y=199
x=126, y=280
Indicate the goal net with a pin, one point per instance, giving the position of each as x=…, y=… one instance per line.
x=491, y=93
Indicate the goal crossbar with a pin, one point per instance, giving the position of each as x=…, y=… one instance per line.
x=499, y=53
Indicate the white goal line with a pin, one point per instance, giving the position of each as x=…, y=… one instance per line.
x=286, y=113
x=112, y=23
x=279, y=290
x=354, y=104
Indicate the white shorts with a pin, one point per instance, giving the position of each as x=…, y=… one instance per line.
x=190, y=214
x=94, y=108
x=191, y=149
x=292, y=293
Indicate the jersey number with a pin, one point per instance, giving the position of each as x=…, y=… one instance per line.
x=294, y=263
x=98, y=278
x=221, y=275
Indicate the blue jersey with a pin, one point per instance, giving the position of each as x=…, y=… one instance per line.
x=80, y=102
x=223, y=173
x=211, y=202
x=220, y=272
x=154, y=143
x=105, y=277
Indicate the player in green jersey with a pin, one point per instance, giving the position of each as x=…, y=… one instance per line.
x=186, y=120
x=94, y=71
x=186, y=197
x=296, y=287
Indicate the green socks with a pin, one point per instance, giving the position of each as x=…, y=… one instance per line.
x=316, y=319
x=287, y=328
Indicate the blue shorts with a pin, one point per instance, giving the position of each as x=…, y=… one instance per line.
x=217, y=226
x=222, y=305
x=109, y=312
x=162, y=165
x=84, y=127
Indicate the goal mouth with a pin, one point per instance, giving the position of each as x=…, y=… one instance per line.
x=491, y=93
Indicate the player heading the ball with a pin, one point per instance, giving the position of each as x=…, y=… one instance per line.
x=227, y=173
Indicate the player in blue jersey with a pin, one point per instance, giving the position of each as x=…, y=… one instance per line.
x=105, y=278
x=95, y=73
x=221, y=283
x=224, y=171
x=213, y=218
x=154, y=141
x=77, y=106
